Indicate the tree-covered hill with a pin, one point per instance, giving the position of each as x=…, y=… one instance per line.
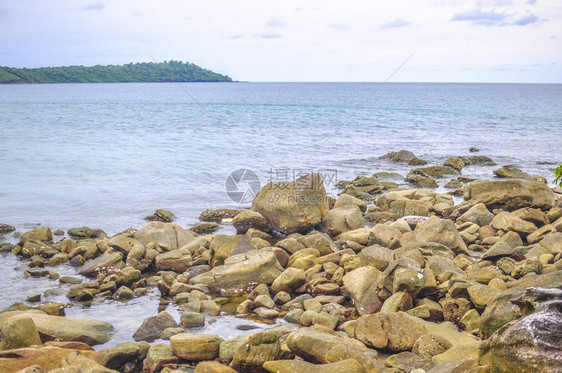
x=172, y=71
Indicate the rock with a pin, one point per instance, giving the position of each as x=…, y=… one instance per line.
x=457, y=163
x=42, y=234
x=159, y=355
x=217, y=215
x=532, y=344
x=436, y=230
x=195, y=347
x=122, y=243
x=176, y=260
x=212, y=367
x=407, y=362
x=316, y=345
x=128, y=352
x=167, y=235
x=103, y=264
x=348, y=200
x=482, y=295
x=77, y=359
x=32, y=369
x=393, y=331
x=296, y=366
x=376, y=256
x=462, y=366
x=243, y=271
x=259, y=348
x=510, y=223
x=225, y=246
x=289, y=280
x=435, y=171
x=403, y=207
x=192, y=319
x=161, y=215
x=511, y=172
x=123, y=293
x=293, y=206
x=47, y=357
x=6, y=228
x=365, y=184
x=66, y=329
x=508, y=195
x=86, y=232
x=506, y=246
x=429, y=345
x=250, y=219
x=342, y=219
x=154, y=325
x=266, y=313
x=420, y=179
x=386, y=236
x=263, y=300
x=19, y=332
x=399, y=301
x=477, y=214
x=470, y=321
x=205, y=228
x=361, y=284
x=404, y=156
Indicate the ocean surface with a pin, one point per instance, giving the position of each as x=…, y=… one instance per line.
x=107, y=155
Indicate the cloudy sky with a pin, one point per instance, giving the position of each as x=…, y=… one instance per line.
x=313, y=40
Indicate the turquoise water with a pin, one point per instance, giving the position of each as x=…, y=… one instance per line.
x=106, y=155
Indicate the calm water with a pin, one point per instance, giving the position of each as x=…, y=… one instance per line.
x=106, y=155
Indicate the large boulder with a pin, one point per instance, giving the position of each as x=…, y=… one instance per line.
x=250, y=219
x=195, y=347
x=395, y=331
x=166, y=235
x=508, y=195
x=102, y=264
x=477, y=214
x=19, y=332
x=243, y=272
x=46, y=357
x=293, y=206
x=343, y=219
x=66, y=329
x=437, y=230
x=154, y=325
x=224, y=246
x=176, y=260
x=42, y=234
x=531, y=344
x=128, y=352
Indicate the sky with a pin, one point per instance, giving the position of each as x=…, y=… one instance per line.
x=312, y=40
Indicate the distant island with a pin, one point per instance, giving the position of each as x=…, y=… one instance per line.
x=171, y=71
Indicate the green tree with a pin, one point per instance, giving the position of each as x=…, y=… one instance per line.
x=558, y=174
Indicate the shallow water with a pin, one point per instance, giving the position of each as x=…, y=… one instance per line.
x=106, y=155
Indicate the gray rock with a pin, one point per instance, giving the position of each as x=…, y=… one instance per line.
x=154, y=325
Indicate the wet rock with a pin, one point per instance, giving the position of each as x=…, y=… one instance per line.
x=161, y=215
x=42, y=234
x=531, y=344
x=393, y=331
x=361, y=285
x=250, y=219
x=18, y=333
x=421, y=179
x=59, y=328
x=129, y=352
x=342, y=219
x=404, y=156
x=6, y=228
x=123, y=293
x=195, y=347
x=154, y=325
x=159, y=355
x=205, y=228
x=103, y=264
x=166, y=235
x=217, y=215
x=457, y=163
x=294, y=206
x=296, y=366
x=86, y=232
x=192, y=319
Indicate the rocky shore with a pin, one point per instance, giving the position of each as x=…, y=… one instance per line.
x=379, y=279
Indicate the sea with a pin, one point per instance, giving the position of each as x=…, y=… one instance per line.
x=107, y=155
